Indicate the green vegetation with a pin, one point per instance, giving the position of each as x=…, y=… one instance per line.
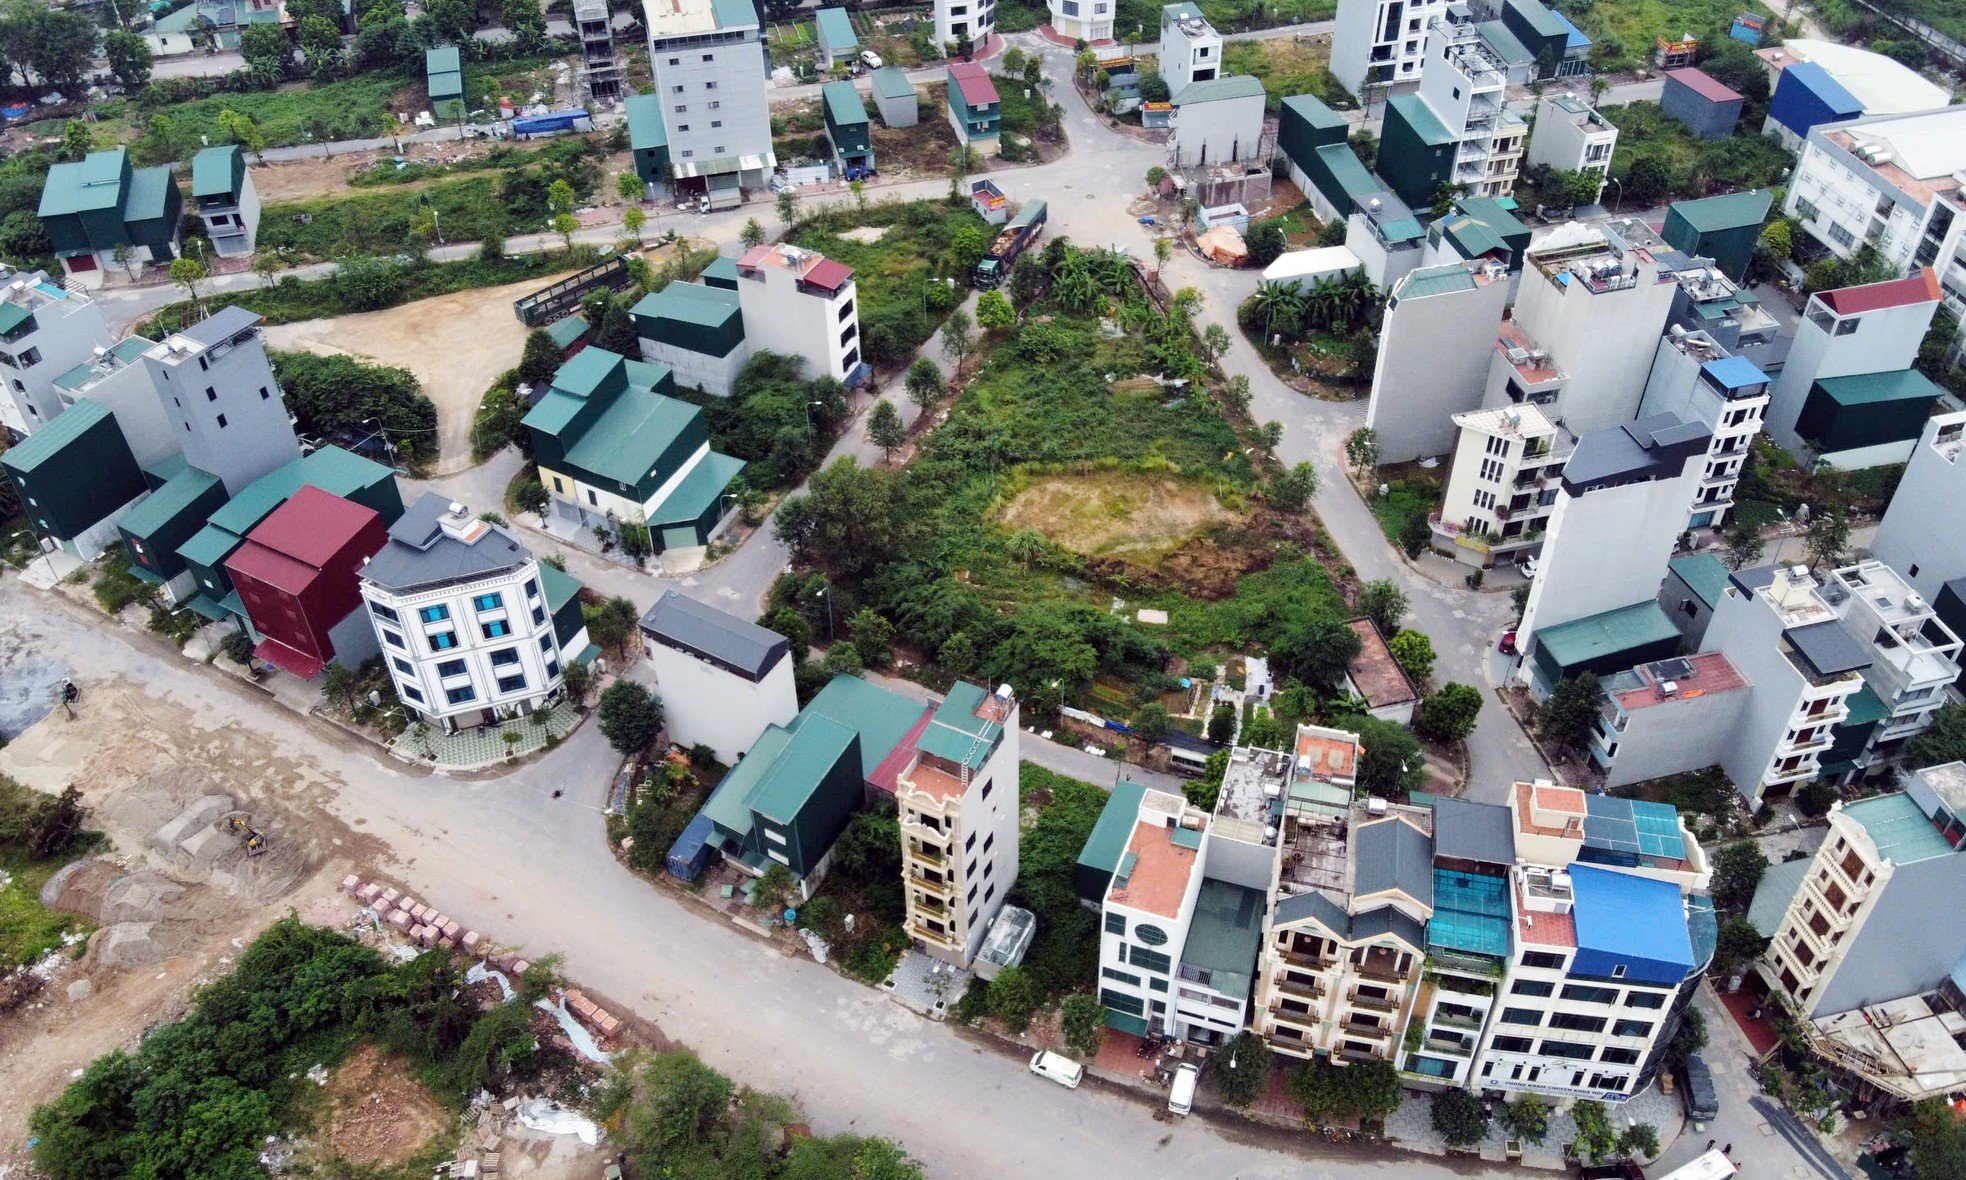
x=864, y=882
x=630, y=717
x=909, y=279
x=1058, y=815
x=1622, y=32
x=1459, y=1117
x=1362, y=1090
x=354, y=108
x=1032, y=117
x=337, y=396
x=1288, y=66
x=38, y=835
x=770, y=421
x=1658, y=158
x=198, y=1095
x=1404, y=509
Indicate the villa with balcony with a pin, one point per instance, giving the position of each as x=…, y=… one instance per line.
x=1914, y=660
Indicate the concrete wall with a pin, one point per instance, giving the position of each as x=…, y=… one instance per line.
x=1383, y=266
x=1607, y=549
x=1669, y=737
x=731, y=74
x=1218, y=132
x=706, y=705
x=66, y=333
x=130, y=396
x=1433, y=364
x=235, y=383
x=778, y=317
x=1604, y=341
x=1923, y=533
x=1868, y=342
x=714, y=375
x=1687, y=610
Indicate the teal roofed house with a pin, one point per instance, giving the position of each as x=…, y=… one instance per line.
x=975, y=110
x=95, y=206
x=1723, y=228
x=833, y=30
x=847, y=127
x=1313, y=137
x=1478, y=228
x=174, y=513
x=331, y=469
x=1866, y=420
x=443, y=69
x=648, y=138
x=1416, y=151
x=697, y=330
x=228, y=204
x=75, y=477
x=613, y=447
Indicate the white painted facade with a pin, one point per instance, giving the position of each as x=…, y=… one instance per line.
x=124, y=385
x=1190, y=48
x=711, y=706
x=975, y=19
x=233, y=228
x=1438, y=333
x=231, y=416
x=1465, y=85
x=63, y=329
x=1841, y=343
x=1572, y=137
x=971, y=817
x=1381, y=42
x=1090, y=21
x=1923, y=532
x=787, y=312
x=1914, y=658
x=708, y=62
x=1142, y=983
x=1734, y=417
x=1218, y=130
x=1503, y=484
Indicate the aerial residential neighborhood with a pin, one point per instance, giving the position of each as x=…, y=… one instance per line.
x=636, y=588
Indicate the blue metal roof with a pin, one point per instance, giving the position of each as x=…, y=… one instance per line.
x=1827, y=89
x=1575, y=36
x=1633, y=827
x=1734, y=372
x=1629, y=927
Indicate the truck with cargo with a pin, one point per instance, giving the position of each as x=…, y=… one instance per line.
x=1010, y=244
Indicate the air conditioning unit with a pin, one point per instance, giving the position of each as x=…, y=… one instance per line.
x=1914, y=602
x=1669, y=688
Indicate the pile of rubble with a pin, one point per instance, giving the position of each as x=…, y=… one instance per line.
x=597, y=1019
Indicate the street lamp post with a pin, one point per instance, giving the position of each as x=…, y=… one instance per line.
x=821, y=592
x=388, y=444
x=1621, y=192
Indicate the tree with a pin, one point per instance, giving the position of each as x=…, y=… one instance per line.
x=1527, y=1119
x=1459, y=1117
x=1639, y=1141
x=612, y=624
x=1596, y=1140
x=957, y=339
x=1149, y=721
x=1449, y=715
x=1384, y=603
x=129, y=58
x=523, y=17
x=630, y=717
x=1646, y=181
x=633, y=219
x=266, y=51
x=1330, y=1093
x=320, y=41
x=851, y=519
x=1083, y=1021
x=753, y=234
x=1013, y=997
x=531, y=496
x=873, y=637
x=1737, y=870
x=76, y=140
x=788, y=206
x=884, y=429
x=629, y=187
x=1215, y=341
x=540, y=360
x=565, y=225
x=1153, y=88
x=188, y=273
x=1687, y=1039
x=1266, y=243
x=1938, y=1141
x=1391, y=762
x=1222, y=724
x=1242, y=1069
x=22, y=236
x=1414, y=653
x=1744, y=545
x=1570, y=714
x=1827, y=536
x=1269, y=436
x=924, y=383
x=1293, y=489
x=1737, y=945
x=1415, y=534
x=1944, y=741
x=1315, y=651
x=966, y=248
x=241, y=129
x=1362, y=450
x=993, y=311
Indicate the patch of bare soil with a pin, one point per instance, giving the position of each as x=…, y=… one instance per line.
x=379, y=1115
x=1132, y=516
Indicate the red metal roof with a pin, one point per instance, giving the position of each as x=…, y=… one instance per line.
x=312, y=526
x=1705, y=85
x=1922, y=287
x=264, y=564
x=829, y=275
x=977, y=89
x=288, y=659
x=888, y=773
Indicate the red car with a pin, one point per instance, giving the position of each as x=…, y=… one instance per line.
x=1507, y=646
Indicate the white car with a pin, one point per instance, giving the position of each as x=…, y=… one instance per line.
x=870, y=59
x=1058, y=1067
x=1530, y=566
x=1181, y=1095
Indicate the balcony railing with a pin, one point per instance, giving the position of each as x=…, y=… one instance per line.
x=1385, y=972
x=1297, y=987
x=1374, y=1003
x=1306, y=960
x=1457, y=1046
x=930, y=855
x=1359, y=1028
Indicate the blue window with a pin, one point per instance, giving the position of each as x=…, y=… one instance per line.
x=443, y=641
x=458, y=696
x=513, y=683
x=391, y=638
x=538, y=615
x=496, y=629
x=505, y=656
x=552, y=668
x=403, y=666
x=434, y=614
x=383, y=612
x=532, y=587
x=488, y=602
x=412, y=694
x=546, y=644
x=451, y=668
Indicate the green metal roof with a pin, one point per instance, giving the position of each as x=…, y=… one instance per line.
x=881, y=716
x=13, y=315
x=1871, y=389
x=1866, y=708
x=1434, y=280
x=1704, y=574
x=1417, y=116
x=49, y=441
x=1596, y=636
x=956, y=734
x=1348, y=171
x=1218, y=89
x=1225, y=935
x=722, y=272
x=215, y=170
x=1538, y=17
x=1506, y=45
x=1731, y=211
x=126, y=350
x=1772, y=896
x=166, y=503
x=835, y=29
x=816, y=747
x=1900, y=830
x=1311, y=109
x=333, y=470
x=734, y=14
x=558, y=586
x=631, y=435
x=563, y=332
x=890, y=82
x=843, y=105
x=444, y=59
x=699, y=491
x=149, y=196
x=645, y=126
x=91, y=183
x=729, y=806
x=1110, y=833
x=1470, y=236
x=689, y=303
x=210, y=546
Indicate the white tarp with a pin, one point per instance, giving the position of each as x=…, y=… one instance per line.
x=541, y=1114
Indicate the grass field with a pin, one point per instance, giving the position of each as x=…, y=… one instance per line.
x=897, y=271
x=356, y=108
x=1287, y=66
x=28, y=929
x=1137, y=516
x=1415, y=492
x=1634, y=25
x=1695, y=167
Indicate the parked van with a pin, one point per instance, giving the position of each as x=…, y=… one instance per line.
x=1059, y=1068
x=1702, y=1101
x=1181, y=1096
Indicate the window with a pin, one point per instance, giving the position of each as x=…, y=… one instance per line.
x=1631, y=1028
x=1521, y=1016
x=451, y=668
x=1840, y=235
x=716, y=106
x=552, y=668
x=382, y=612
x=991, y=839
x=1116, y=924
x=496, y=629
x=1566, y=1049
x=1619, y=1057
x=221, y=421
x=1121, y=1002
x=715, y=123
x=1159, y=985
x=391, y=638
x=412, y=694
x=403, y=666
x=434, y=614
x=684, y=127
x=443, y=641
x=1576, y=1023
x=1531, y=987
x=1591, y=995
x=489, y=602
x=458, y=696
x=211, y=395
x=1151, y=935
x=987, y=784
x=675, y=90
x=1122, y=976
x=263, y=395
x=505, y=657
x=546, y=644
x=513, y=683
x=1542, y=959
x=1645, y=1000
x=1151, y=960
x=532, y=587
x=969, y=843
x=1512, y=1044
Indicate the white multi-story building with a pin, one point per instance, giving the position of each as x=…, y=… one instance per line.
x=1503, y=484
x=1380, y=43
x=45, y=330
x=959, y=20
x=957, y=802
x=1923, y=533
x=1090, y=21
x=222, y=191
x=1433, y=357
x=1893, y=182
x=1218, y=121
x=1620, y=508
x=1913, y=656
x=1572, y=137
x=1593, y=306
x=1851, y=333
x=723, y=680
x=1465, y=87
x=216, y=385
x=1776, y=627
x=442, y=563
x=1695, y=378
x=1667, y=717
x=800, y=303
x=1190, y=48
x=708, y=61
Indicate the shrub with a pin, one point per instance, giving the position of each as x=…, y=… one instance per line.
x=1460, y=1117
x=630, y=716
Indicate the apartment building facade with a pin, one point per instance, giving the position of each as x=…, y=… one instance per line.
x=723, y=680
x=1502, y=487
x=1090, y=21
x=1913, y=655
x=1433, y=360
x=1819, y=408
x=708, y=63
x=1377, y=44
x=960, y=22
x=1571, y=136
x=957, y=804
x=800, y=303
x=1696, y=379
x=1456, y=128
x=227, y=203
x=1668, y=716
x=1190, y=48
x=1923, y=534
x=217, y=387
x=45, y=330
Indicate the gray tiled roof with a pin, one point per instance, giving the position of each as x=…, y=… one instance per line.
x=1393, y=854
x=1465, y=830
x=420, y=554
x=1312, y=905
x=222, y=325
x=1829, y=648
x=724, y=639
x=1650, y=448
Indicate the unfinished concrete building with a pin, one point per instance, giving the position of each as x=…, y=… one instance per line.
x=600, y=72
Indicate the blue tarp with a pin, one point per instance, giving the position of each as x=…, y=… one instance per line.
x=691, y=851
